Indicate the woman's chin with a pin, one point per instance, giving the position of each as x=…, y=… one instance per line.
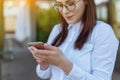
x=71, y=22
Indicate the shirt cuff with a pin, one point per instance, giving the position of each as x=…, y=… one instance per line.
x=44, y=74
x=76, y=73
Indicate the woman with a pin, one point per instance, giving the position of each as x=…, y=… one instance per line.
x=82, y=48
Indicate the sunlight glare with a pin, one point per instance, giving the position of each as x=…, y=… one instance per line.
x=43, y=5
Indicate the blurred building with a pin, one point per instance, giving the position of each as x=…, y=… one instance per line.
x=102, y=9
x=10, y=15
x=20, y=18
x=118, y=9
x=19, y=21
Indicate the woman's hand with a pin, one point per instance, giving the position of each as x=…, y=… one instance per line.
x=52, y=55
x=43, y=65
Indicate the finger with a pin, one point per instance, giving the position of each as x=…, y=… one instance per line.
x=33, y=51
x=49, y=47
x=41, y=61
x=34, y=55
x=40, y=56
x=38, y=51
x=45, y=52
x=32, y=48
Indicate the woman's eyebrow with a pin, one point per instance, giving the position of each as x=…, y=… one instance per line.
x=67, y=1
x=58, y=2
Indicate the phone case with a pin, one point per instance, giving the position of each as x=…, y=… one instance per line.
x=38, y=45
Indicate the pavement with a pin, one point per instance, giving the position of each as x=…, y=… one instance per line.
x=18, y=64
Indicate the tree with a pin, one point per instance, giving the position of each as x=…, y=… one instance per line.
x=1, y=25
x=46, y=19
x=112, y=17
x=1, y=31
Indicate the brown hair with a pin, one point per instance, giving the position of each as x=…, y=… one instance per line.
x=88, y=20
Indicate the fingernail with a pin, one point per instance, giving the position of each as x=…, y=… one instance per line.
x=46, y=44
x=29, y=48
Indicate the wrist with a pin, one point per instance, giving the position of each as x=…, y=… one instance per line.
x=44, y=67
x=66, y=66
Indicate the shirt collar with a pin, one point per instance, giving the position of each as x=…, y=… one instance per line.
x=73, y=25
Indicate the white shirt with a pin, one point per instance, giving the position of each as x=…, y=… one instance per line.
x=95, y=61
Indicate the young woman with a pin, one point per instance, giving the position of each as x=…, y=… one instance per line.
x=79, y=47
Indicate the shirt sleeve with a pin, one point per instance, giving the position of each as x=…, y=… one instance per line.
x=103, y=56
x=45, y=74
x=55, y=31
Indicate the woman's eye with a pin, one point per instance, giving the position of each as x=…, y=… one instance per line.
x=70, y=4
x=59, y=5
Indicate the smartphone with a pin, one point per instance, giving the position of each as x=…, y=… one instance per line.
x=38, y=45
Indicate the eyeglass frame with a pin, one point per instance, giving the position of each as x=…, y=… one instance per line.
x=66, y=6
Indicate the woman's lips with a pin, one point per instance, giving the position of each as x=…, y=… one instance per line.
x=69, y=17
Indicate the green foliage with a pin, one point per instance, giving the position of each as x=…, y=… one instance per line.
x=1, y=34
x=103, y=19
x=112, y=17
x=46, y=19
x=1, y=26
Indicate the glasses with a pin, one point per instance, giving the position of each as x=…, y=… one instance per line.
x=70, y=6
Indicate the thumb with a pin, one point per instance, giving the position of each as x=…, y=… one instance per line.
x=49, y=47
x=32, y=48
